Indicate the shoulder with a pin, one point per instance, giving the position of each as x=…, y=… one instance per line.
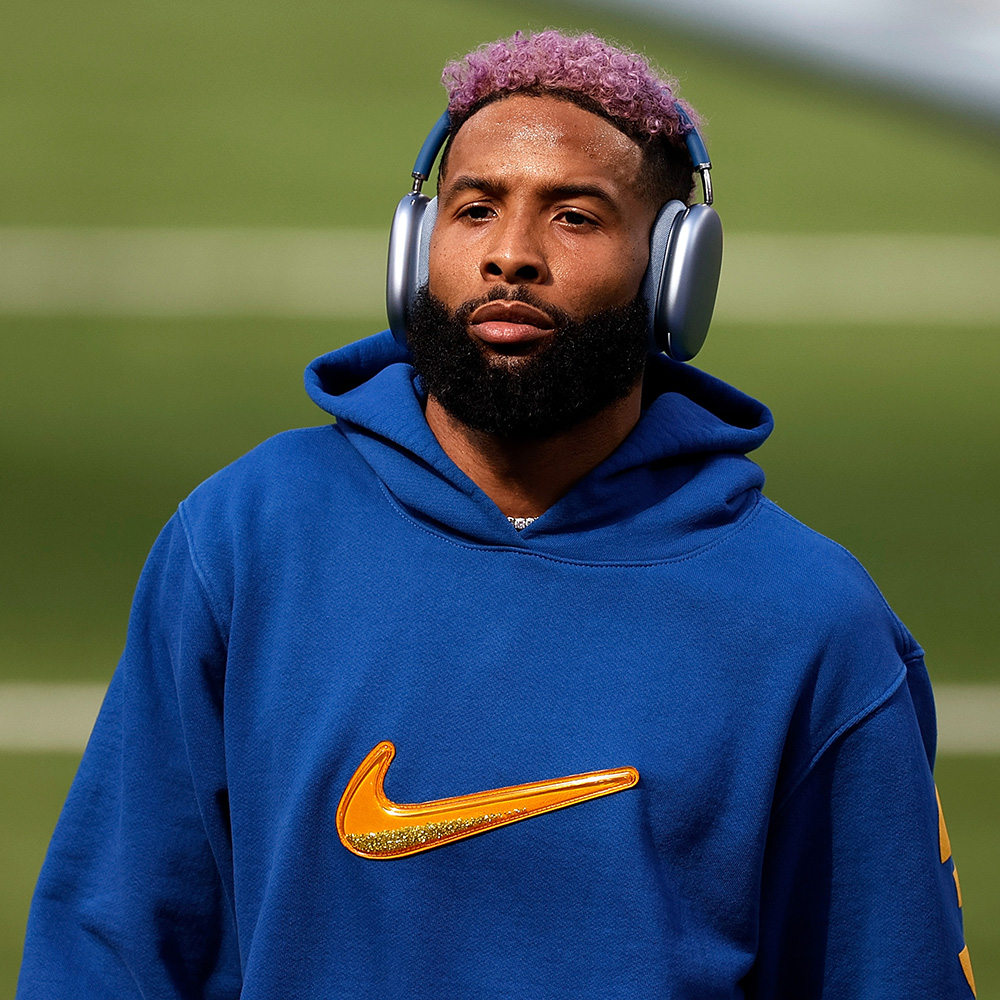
x=269, y=500
x=280, y=474
x=805, y=576
x=295, y=454
x=854, y=652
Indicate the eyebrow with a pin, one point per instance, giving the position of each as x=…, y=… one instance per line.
x=555, y=192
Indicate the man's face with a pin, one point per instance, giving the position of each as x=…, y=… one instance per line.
x=532, y=321
x=539, y=195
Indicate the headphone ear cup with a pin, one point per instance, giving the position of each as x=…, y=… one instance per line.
x=659, y=245
x=424, y=246
x=689, y=282
x=409, y=250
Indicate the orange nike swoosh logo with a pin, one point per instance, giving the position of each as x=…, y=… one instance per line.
x=372, y=826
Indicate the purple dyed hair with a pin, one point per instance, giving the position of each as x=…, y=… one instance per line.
x=622, y=83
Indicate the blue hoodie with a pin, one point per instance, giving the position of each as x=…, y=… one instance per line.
x=346, y=585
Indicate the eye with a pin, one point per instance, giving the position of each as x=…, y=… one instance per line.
x=477, y=213
x=575, y=219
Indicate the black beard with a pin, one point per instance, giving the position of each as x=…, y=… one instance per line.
x=587, y=365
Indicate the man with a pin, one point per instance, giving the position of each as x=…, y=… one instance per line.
x=662, y=741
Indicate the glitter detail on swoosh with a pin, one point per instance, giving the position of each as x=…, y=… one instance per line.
x=373, y=826
x=391, y=842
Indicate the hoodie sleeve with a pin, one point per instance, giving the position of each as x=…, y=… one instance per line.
x=135, y=896
x=860, y=896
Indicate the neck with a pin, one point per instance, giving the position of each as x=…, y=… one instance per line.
x=525, y=478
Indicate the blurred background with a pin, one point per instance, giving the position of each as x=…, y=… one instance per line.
x=194, y=202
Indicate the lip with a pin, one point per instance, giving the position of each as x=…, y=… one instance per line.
x=510, y=323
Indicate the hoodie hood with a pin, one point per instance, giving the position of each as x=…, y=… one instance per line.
x=677, y=483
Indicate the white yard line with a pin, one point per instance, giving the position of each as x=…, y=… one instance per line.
x=911, y=279
x=48, y=716
x=193, y=272
x=36, y=717
x=774, y=278
x=968, y=718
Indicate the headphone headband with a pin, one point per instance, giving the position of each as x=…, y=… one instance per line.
x=436, y=138
x=698, y=152
x=439, y=133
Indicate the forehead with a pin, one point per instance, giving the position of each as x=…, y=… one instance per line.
x=543, y=136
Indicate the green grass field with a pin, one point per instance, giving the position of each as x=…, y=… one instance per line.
x=260, y=114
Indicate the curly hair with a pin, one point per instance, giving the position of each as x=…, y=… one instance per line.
x=618, y=85
x=621, y=82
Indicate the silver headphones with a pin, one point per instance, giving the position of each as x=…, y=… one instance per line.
x=681, y=280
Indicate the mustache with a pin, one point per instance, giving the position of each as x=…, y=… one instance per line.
x=519, y=293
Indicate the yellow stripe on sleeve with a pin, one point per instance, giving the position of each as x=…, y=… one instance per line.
x=963, y=957
x=943, y=841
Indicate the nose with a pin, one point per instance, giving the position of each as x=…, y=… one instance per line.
x=515, y=254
